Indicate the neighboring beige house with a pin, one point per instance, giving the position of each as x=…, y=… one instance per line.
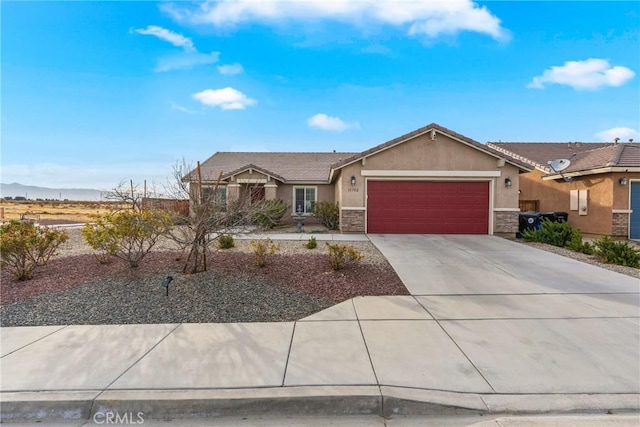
x=431, y=180
x=600, y=188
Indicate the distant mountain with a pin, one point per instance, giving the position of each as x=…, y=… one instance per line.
x=32, y=192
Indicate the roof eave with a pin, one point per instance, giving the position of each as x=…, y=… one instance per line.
x=593, y=171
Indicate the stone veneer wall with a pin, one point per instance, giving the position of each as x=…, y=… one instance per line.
x=352, y=221
x=505, y=222
x=620, y=224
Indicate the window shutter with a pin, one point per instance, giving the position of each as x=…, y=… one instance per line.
x=583, y=199
x=573, y=200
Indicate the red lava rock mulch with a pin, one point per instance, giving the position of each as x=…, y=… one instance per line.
x=306, y=273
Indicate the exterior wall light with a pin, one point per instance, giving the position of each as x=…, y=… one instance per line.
x=507, y=182
x=353, y=180
x=623, y=181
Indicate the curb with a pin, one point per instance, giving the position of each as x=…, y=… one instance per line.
x=295, y=401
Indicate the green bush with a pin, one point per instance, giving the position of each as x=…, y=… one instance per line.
x=129, y=235
x=341, y=255
x=262, y=249
x=269, y=213
x=553, y=233
x=225, y=242
x=312, y=243
x=23, y=246
x=617, y=252
x=577, y=244
x=328, y=213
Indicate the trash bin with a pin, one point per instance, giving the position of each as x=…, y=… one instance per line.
x=562, y=216
x=528, y=221
x=550, y=216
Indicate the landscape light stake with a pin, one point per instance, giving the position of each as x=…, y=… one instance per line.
x=166, y=282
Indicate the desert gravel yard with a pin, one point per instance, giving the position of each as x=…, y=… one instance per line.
x=296, y=282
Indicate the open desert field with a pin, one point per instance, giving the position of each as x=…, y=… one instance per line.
x=55, y=211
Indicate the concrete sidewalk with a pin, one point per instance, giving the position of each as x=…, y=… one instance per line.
x=369, y=355
x=550, y=351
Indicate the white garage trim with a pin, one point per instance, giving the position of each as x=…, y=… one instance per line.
x=428, y=174
x=492, y=185
x=353, y=209
x=506, y=209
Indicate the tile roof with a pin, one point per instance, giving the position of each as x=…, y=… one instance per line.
x=630, y=156
x=314, y=167
x=282, y=166
x=584, y=156
x=482, y=147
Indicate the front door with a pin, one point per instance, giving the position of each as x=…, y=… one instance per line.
x=257, y=194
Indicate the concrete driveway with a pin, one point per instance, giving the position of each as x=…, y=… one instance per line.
x=526, y=319
x=486, y=265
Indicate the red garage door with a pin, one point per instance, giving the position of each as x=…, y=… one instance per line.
x=427, y=207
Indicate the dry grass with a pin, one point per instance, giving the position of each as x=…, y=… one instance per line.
x=56, y=211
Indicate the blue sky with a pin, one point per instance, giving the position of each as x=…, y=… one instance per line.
x=94, y=93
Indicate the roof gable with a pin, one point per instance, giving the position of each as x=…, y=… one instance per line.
x=251, y=167
x=432, y=128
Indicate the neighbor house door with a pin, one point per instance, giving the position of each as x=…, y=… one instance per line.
x=634, y=205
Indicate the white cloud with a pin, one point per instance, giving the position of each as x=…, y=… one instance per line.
x=182, y=109
x=623, y=133
x=589, y=74
x=322, y=121
x=420, y=17
x=227, y=98
x=185, y=61
x=230, y=69
x=175, y=39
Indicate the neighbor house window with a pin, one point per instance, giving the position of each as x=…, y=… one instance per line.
x=305, y=199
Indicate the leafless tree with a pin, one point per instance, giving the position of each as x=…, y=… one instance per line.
x=130, y=193
x=210, y=215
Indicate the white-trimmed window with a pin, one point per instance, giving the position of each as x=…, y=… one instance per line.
x=220, y=198
x=304, y=199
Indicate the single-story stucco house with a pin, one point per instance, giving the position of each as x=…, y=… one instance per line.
x=431, y=180
x=600, y=187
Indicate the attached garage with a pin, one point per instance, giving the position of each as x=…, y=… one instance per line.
x=429, y=181
x=428, y=207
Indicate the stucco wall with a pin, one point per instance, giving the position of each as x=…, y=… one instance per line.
x=442, y=154
x=422, y=154
x=621, y=192
x=352, y=195
x=554, y=196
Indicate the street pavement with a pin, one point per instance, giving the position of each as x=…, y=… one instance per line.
x=572, y=420
x=492, y=327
